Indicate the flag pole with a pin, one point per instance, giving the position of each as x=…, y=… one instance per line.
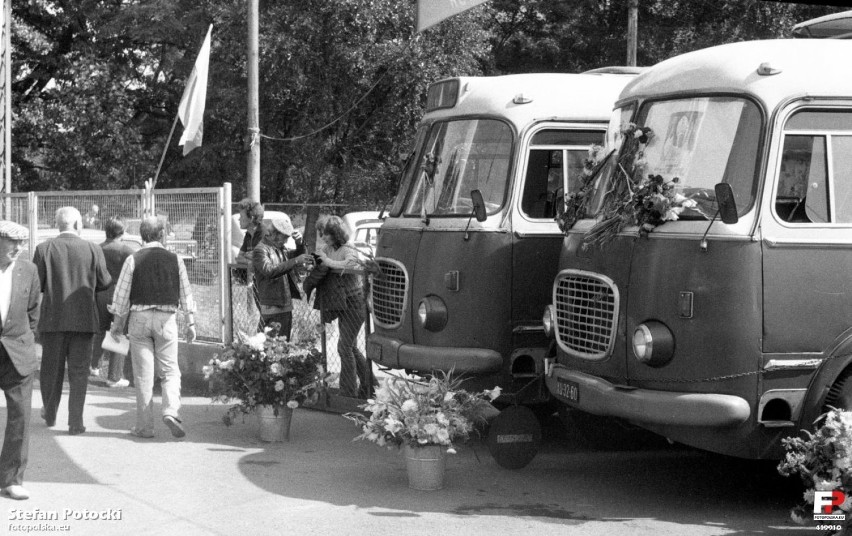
x=165, y=150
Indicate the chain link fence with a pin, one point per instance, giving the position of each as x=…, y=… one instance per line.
x=341, y=335
x=197, y=222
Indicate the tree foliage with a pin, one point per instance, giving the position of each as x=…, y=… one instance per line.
x=96, y=83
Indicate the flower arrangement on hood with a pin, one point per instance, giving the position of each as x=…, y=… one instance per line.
x=633, y=198
x=266, y=369
x=823, y=460
x=436, y=411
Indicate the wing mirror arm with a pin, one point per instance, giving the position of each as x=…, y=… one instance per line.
x=478, y=211
x=727, y=209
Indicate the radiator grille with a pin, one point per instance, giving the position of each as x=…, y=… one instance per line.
x=390, y=291
x=586, y=314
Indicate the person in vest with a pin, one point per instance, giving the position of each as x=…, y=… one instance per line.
x=19, y=295
x=152, y=287
x=71, y=270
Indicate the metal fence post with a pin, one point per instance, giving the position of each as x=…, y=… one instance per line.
x=224, y=259
x=32, y=216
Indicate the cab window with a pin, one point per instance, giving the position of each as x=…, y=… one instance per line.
x=554, y=168
x=815, y=175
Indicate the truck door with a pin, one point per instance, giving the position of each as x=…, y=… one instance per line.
x=553, y=167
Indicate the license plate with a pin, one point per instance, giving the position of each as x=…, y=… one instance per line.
x=568, y=389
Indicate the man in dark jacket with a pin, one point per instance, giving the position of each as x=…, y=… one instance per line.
x=275, y=275
x=19, y=293
x=70, y=270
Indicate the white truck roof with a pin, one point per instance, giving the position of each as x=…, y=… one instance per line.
x=816, y=67
x=574, y=97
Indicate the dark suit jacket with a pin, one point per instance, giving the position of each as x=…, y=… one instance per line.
x=16, y=335
x=70, y=270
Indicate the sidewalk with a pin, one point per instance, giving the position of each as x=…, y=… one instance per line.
x=223, y=481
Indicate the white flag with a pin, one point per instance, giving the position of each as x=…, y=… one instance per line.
x=431, y=12
x=191, y=110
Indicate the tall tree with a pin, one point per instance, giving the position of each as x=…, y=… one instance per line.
x=577, y=35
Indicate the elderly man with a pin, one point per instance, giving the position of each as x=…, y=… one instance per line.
x=152, y=287
x=275, y=275
x=18, y=362
x=70, y=270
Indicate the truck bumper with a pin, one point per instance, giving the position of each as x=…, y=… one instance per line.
x=397, y=354
x=597, y=396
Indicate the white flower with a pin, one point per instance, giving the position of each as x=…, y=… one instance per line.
x=442, y=419
x=227, y=365
x=292, y=404
x=672, y=214
x=494, y=393
x=255, y=342
x=443, y=436
x=826, y=485
x=279, y=385
x=275, y=368
x=392, y=425
x=207, y=370
x=809, y=496
x=409, y=406
x=449, y=396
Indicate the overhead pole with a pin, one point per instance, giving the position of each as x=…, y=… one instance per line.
x=7, y=105
x=632, y=31
x=253, y=167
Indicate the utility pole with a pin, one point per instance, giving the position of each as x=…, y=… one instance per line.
x=632, y=30
x=253, y=170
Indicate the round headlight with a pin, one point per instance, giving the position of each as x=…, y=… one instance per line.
x=432, y=313
x=547, y=321
x=653, y=344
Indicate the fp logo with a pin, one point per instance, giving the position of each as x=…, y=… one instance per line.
x=825, y=501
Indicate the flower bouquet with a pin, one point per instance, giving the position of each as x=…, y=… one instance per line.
x=266, y=370
x=632, y=198
x=823, y=460
x=414, y=412
x=423, y=417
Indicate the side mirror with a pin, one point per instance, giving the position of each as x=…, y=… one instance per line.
x=727, y=204
x=478, y=205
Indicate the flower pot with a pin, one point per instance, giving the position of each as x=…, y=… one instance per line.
x=274, y=428
x=426, y=466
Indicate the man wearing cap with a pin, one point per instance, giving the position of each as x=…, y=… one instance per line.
x=71, y=270
x=275, y=277
x=19, y=294
x=152, y=287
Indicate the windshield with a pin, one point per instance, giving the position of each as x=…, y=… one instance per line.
x=457, y=157
x=700, y=142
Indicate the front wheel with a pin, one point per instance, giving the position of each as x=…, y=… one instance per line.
x=840, y=394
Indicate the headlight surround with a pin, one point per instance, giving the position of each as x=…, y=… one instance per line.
x=432, y=313
x=653, y=344
x=547, y=320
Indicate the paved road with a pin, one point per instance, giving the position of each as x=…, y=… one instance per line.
x=223, y=481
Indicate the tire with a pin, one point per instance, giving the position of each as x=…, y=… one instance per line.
x=608, y=433
x=840, y=394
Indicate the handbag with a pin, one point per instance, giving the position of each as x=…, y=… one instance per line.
x=120, y=346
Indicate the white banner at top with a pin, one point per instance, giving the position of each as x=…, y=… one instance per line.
x=431, y=12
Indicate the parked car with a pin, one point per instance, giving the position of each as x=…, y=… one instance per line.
x=364, y=230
